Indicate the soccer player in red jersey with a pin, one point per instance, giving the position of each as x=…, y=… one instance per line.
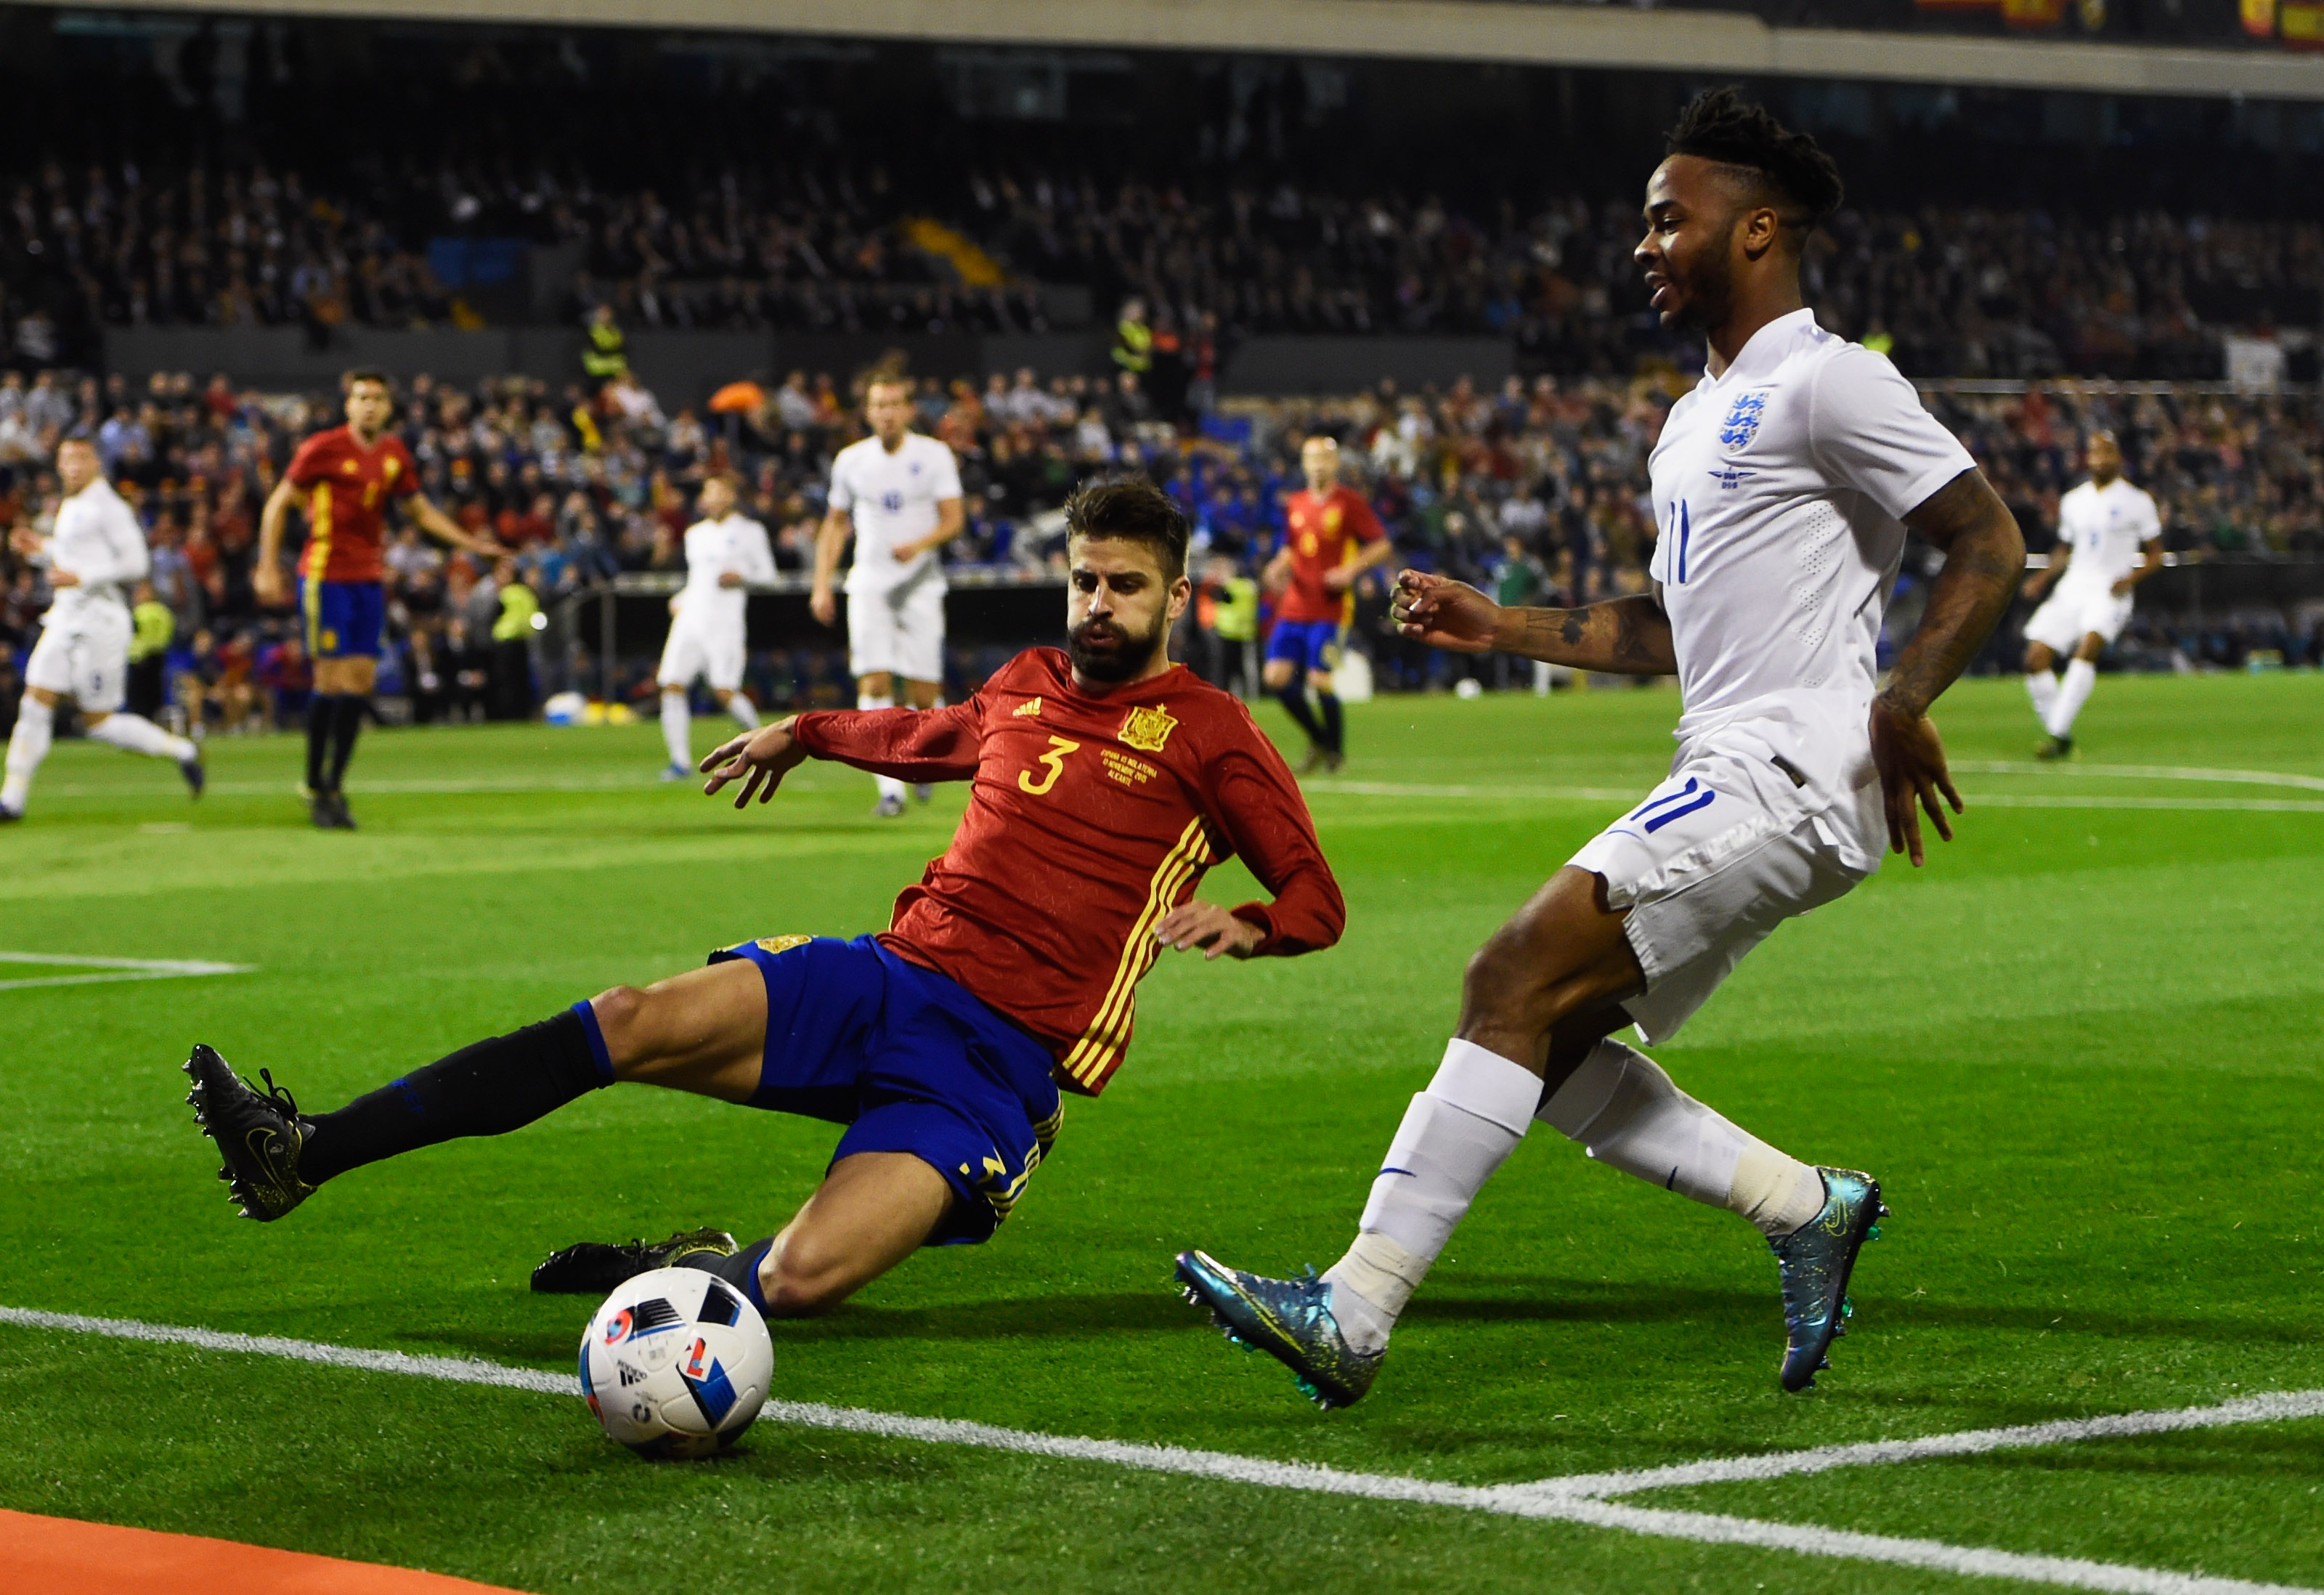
x=342, y=480
x=1330, y=538
x=1106, y=780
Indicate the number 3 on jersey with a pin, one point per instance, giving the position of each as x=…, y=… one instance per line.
x=1056, y=760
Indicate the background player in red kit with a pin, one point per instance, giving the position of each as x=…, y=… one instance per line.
x=343, y=480
x=1106, y=781
x=1330, y=538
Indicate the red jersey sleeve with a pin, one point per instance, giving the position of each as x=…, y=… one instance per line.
x=1248, y=793
x=405, y=479
x=312, y=463
x=910, y=744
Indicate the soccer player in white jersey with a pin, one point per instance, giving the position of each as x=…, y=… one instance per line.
x=900, y=492
x=1782, y=485
x=725, y=552
x=94, y=554
x=2109, y=540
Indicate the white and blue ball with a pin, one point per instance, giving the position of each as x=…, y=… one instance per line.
x=676, y=1363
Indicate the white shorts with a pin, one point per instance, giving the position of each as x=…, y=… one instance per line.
x=2070, y=614
x=900, y=632
x=85, y=657
x=713, y=653
x=1714, y=859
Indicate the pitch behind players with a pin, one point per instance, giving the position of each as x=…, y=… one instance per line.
x=1330, y=538
x=2109, y=540
x=95, y=552
x=726, y=550
x=1779, y=487
x=900, y=492
x=1106, y=781
x=341, y=480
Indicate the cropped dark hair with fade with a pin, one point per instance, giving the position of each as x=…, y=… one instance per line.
x=1131, y=508
x=366, y=374
x=1719, y=124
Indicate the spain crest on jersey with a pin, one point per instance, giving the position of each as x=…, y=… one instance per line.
x=1148, y=730
x=1742, y=422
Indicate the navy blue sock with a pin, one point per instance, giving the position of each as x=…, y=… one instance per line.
x=1294, y=699
x=741, y=1270
x=1335, y=725
x=489, y=1088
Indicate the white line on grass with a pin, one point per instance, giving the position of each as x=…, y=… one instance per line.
x=1973, y=799
x=1578, y=1499
x=2146, y=772
x=116, y=968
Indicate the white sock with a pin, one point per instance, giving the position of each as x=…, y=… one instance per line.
x=1626, y=1112
x=676, y=729
x=888, y=786
x=133, y=733
x=2072, y=694
x=36, y=727
x=2042, y=686
x=745, y=712
x=1474, y=1112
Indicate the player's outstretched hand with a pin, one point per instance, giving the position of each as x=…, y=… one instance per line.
x=1207, y=926
x=1444, y=614
x=758, y=758
x=1911, y=758
x=25, y=541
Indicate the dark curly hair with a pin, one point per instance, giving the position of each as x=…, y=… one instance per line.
x=1719, y=124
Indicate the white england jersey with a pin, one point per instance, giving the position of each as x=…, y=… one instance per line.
x=894, y=499
x=714, y=547
x=1778, y=492
x=2106, y=527
x=99, y=539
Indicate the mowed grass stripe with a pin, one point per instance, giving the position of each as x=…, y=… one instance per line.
x=1572, y=1500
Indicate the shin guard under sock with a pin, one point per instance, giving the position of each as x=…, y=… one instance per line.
x=321, y=709
x=488, y=1088
x=1294, y=699
x=741, y=1270
x=347, y=724
x=1335, y=725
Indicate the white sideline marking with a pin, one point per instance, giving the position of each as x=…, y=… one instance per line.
x=2147, y=772
x=116, y=969
x=1576, y=1499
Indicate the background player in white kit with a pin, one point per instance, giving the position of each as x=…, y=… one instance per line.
x=901, y=491
x=2109, y=540
x=725, y=551
x=1779, y=487
x=95, y=554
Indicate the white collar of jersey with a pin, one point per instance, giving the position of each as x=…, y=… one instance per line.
x=1766, y=348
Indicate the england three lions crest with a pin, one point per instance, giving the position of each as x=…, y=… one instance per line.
x=1148, y=730
x=1742, y=422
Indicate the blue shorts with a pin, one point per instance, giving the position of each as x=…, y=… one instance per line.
x=345, y=620
x=909, y=1062
x=1313, y=645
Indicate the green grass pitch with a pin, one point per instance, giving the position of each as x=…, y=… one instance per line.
x=2081, y=1049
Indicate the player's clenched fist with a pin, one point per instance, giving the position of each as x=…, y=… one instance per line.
x=1442, y=612
x=759, y=759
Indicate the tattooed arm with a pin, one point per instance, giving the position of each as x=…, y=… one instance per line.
x=1985, y=555
x=1621, y=636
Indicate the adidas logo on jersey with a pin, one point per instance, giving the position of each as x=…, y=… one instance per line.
x=1031, y=705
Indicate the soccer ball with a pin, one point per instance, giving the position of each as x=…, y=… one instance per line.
x=676, y=1363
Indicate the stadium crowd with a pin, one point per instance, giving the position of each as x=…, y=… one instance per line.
x=1950, y=292
x=1535, y=489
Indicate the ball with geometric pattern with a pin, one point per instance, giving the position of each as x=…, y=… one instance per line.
x=676, y=1363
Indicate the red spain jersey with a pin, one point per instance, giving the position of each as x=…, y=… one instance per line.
x=1322, y=533
x=347, y=487
x=1091, y=816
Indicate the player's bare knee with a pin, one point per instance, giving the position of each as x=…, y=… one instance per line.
x=620, y=1011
